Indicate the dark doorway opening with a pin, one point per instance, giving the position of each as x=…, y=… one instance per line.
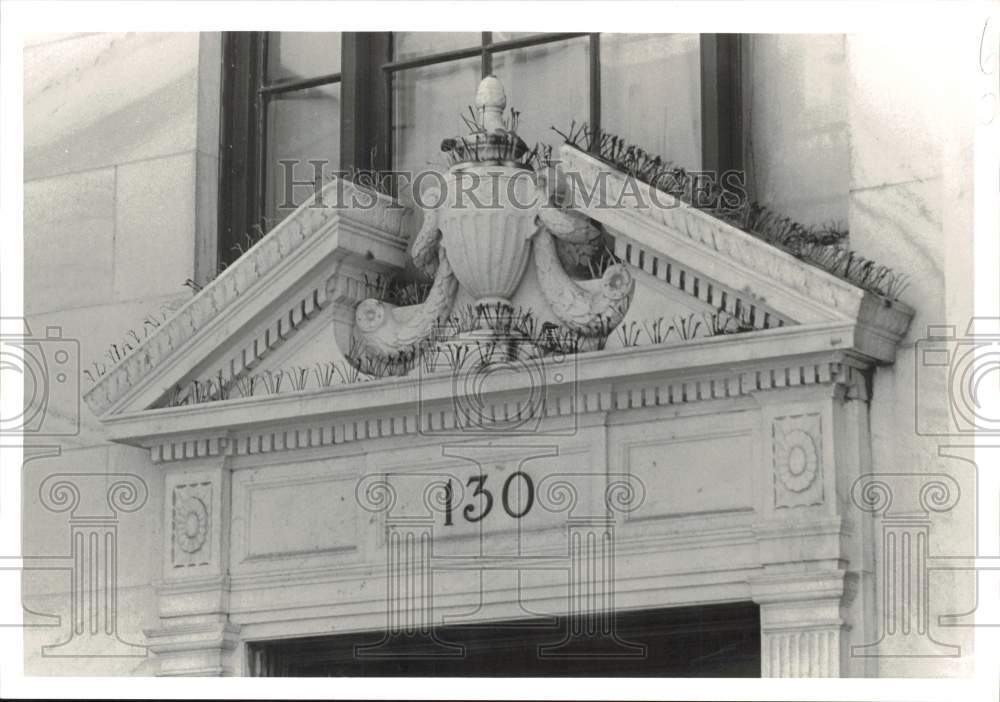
x=706, y=641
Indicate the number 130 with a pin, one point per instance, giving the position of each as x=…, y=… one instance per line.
x=468, y=512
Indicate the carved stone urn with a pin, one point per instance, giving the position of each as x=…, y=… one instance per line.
x=486, y=228
x=481, y=233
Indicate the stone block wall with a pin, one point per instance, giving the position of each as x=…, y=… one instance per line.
x=121, y=153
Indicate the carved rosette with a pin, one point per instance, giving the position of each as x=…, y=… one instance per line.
x=797, y=445
x=192, y=524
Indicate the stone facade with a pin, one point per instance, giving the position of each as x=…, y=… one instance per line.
x=782, y=425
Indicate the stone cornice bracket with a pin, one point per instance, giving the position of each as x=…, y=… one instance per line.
x=388, y=331
x=346, y=226
x=853, y=380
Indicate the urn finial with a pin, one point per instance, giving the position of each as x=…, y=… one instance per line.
x=491, y=101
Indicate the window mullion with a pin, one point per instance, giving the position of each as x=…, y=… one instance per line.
x=365, y=101
x=486, y=56
x=258, y=206
x=595, y=91
x=721, y=103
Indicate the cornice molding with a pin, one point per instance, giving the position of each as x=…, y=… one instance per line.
x=711, y=369
x=768, y=276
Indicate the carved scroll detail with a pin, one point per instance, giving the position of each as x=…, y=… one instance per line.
x=590, y=307
x=389, y=331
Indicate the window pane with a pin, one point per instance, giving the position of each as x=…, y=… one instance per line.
x=427, y=104
x=407, y=45
x=303, y=126
x=548, y=85
x=651, y=93
x=302, y=54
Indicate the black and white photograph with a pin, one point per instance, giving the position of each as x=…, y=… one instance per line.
x=651, y=351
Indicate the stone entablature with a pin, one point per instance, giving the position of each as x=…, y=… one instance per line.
x=743, y=446
x=709, y=370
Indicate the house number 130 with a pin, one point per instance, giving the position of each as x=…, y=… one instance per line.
x=469, y=511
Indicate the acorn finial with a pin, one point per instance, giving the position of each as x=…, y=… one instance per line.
x=491, y=101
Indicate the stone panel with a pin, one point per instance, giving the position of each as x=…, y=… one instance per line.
x=155, y=217
x=102, y=99
x=894, y=139
x=69, y=230
x=295, y=514
x=306, y=516
x=688, y=466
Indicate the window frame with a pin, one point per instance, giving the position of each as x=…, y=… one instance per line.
x=366, y=112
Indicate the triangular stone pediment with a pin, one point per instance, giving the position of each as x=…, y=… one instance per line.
x=276, y=328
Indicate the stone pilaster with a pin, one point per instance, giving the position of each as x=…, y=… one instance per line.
x=808, y=580
x=195, y=648
x=803, y=627
x=195, y=636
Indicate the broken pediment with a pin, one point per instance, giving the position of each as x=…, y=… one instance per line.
x=301, y=327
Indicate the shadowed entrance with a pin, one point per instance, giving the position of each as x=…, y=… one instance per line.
x=707, y=641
